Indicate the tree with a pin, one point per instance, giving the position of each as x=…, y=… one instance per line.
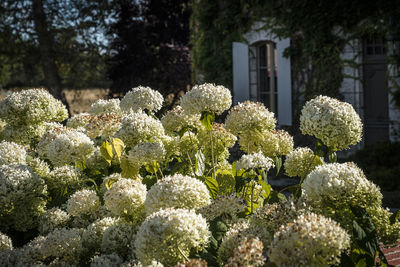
x=55, y=34
x=150, y=46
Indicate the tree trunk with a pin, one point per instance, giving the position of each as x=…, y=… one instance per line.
x=46, y=48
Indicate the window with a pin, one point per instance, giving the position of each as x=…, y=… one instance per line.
x=266, y=75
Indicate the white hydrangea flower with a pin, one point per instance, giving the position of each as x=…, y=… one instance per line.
x=25, y=134
x=301, y=161
x=225, y=206
x=135, y=263
x=22, y=197
x=93, y=234
x=248, y=253
x=285, y=142
x=32, y=106
x=221, y=141
x=335, y=123
x=176, y=119
x=126, y=198
x=177, y=191
x=331, y=189
x=5, y=243
x=255, y=161
x=107, y=260
x=265, y=141
x=12, y=153
x=64, y=176
x=83, y=202
x=109, y=106
x=341, y=182
x=167, y=234
x=139, y=127
x=101, y=125
x=207, y=97
x=141, y=98
x=146, y=153
x=40, y=167
x=64, y=244
x=53, y=219
x=64, y=146
x=248, y=116
x=118, y=238
x=231, y=240
x=310, y=240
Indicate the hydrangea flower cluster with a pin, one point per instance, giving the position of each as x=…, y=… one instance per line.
x=310, y=240
x=169, y=235
x=146, y=153
x=22, y=197
x=301, y=161
x=119, y=237
x=52, y=219
x=101, y=125
x=83, y=203
x=207, y=97
x=221, y=141
x=248, y=116
x=141, y=98
x=27, y=113
x=335, y=123
x=255, y=161
x=12, y=153
x=176, y=119
x=126, y=198
x=65, y=146
x=248, y=253
x=5, y=243
x=177, y=191
x=32, y=106
x=343, y=183
x=225, y=206
x=109, y=106
x=139, y=127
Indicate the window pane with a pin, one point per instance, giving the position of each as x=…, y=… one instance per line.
x=265, y=98
x=264, y=80
x=263, y=55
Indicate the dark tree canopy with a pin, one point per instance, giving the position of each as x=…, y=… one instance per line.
x=52, y=43
x=150, y=46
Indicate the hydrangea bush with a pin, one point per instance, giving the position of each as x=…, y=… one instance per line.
x=118, y=186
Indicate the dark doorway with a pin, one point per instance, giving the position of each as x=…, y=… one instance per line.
x=376, y=117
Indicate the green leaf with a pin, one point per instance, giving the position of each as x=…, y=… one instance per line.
x=276, y=197
x=278, y=164
x=267, y=188
x=207, y=118
x=212, y=186
x=118, y=147
x=106, y=151
x=362, y=263
x=332, y=156
x=226, y=181
x=152, y=168
x=200, y=165
x=128, y=171
x=110, y=182
x=319, y=151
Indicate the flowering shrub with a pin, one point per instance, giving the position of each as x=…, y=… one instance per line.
x=120, y=187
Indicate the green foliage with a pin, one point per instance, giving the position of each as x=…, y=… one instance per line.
x=214, y=26
x=380, y=163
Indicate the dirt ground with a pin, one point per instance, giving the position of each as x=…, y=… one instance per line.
x=80, y=100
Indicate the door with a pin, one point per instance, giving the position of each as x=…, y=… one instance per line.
x=376, y=117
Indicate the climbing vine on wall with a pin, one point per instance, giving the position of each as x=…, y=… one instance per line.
x=319, y=31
